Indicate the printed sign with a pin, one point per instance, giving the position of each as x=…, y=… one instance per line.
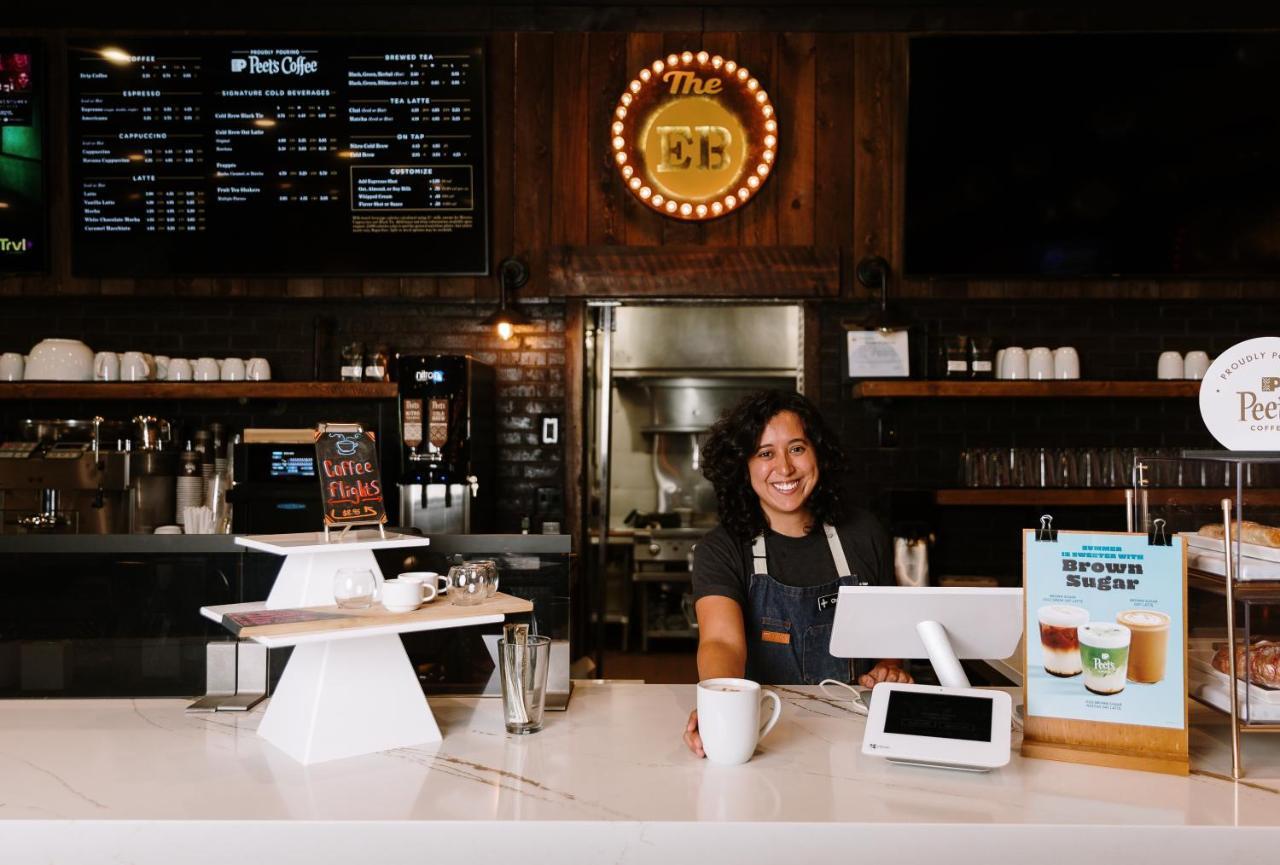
x=878, y=354
x=694, y=135
x=1105, y=638
x=1240, y=396
x=350, y=485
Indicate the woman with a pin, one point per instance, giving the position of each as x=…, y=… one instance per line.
x=766, y=579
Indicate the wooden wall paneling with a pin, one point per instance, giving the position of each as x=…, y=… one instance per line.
x=576, y=448
x=897, y=127
x=607, y=62
x=833, y=149
x=677, y=231
x=343, y=286
x=502, y=148
x=811, y=357
x=694, y=271
x=380, y=286
x=533, y=174
x=873, y=131
x=793, y=96
x=725, y=231
x=759, y=217
x=300, y=287
x=230, y=286
x=644, y=226
x=569, y=163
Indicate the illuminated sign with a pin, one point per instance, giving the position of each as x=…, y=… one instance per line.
x=694, y=136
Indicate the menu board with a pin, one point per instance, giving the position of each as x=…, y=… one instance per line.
x=278, y=155
x=23, y=220
x=350, y=483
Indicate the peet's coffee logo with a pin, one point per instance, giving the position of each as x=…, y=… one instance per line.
x=1240, y=396
x=694, y=136
x=292, y=63
x=15, y=245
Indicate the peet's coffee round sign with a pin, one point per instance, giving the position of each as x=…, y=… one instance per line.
x=1240, y=396
x=694, y=135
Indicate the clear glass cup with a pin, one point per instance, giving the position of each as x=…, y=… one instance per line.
x=354, y=588
x=468, y=585
x=492, y=568
x=522, y=669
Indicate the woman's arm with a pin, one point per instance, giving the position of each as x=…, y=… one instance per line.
x=722, y=651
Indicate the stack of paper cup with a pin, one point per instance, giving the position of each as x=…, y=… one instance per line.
x=189, y=494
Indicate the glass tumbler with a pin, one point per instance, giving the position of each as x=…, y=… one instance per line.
x=522, y=668
x=491, y=567
x=354, y=588
x=468, y=585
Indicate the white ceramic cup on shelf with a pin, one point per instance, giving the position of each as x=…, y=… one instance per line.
x=231, y=369
x=206, y=369
x=401, y=596
x=999, y=367
x=1195, y=365
x=729, y=712
x=257, y=369
x=1040, y=363
x=12, y=366
x=162, y=367
x=1015, y=363
x=432, y=584
x=133, y=367
x=1066, y=363
x=106, y=366
x=179, y=369
x=1170, y=365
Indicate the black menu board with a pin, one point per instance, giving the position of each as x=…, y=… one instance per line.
x=23, y=219
x=278, y=155
x=350, y=484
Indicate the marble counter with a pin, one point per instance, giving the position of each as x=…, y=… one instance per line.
x=140, y=781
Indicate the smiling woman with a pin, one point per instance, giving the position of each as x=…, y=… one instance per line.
x=767, y=578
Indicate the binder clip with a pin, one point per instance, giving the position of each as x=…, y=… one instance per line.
x=1157, y=537
x=1047, y=532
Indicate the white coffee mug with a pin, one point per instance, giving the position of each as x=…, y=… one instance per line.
x=179, y=369
x=206, y=369
x=729, y=722
x=1066, y=363
x=106, y=366
x=1196, y=365
x=231, y=369
x=12, y=366
x=432, y=583
x=162, y=367
x=999, y=367
x=151, y=364
x=133, y=367
x=1040, y=363
x=257, y=369
x=1169, y=365
x=1015, y=363
x=401, y=596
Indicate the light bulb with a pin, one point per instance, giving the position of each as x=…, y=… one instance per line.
x=506, y=330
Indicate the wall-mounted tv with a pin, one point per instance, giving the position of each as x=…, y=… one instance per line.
x=1094, y=156
x=277, y=155
x=23, y=216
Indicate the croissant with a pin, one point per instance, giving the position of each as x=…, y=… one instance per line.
x=1264, y=663
x=1250, y=532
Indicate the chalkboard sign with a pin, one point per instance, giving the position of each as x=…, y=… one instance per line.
x=350, y=485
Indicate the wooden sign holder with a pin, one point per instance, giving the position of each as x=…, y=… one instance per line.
x=1096, y=743
x=352, y=429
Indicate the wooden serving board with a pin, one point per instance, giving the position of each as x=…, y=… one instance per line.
x=438, y=611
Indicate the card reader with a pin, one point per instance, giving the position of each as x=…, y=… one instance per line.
x=947, y=728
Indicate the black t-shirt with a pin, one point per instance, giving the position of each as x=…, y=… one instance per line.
x=722, y=565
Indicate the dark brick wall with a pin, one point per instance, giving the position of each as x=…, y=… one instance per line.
x=301, y=340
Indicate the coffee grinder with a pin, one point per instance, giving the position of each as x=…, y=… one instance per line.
x=447, y=443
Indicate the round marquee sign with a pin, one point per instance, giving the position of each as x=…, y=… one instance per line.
x=694, y=136
x=1240, y=396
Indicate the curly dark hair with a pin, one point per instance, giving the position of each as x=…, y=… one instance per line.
x=733, y=441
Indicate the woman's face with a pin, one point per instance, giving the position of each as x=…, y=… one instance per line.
x=784, y=468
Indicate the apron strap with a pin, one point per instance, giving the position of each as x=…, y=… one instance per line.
x=760, y=564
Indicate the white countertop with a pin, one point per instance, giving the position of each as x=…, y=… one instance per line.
x=608, y=781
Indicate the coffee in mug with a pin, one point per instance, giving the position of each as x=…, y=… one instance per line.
x=1104, y=655
x=729, y=723
x=1059, y=640
x=1148, y=644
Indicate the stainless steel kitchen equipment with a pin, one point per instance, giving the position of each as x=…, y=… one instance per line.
x=663, y=578
x=54, y=480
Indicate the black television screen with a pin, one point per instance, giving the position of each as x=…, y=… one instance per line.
x=1094, y=155
x=23, y=217
x=277, y=155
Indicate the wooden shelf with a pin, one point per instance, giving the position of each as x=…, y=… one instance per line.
x=197, y=390
x=1075, y=389
x=1015, y=496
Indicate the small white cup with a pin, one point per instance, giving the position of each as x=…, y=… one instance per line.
x=162, y=367
x=106, y=366
x=401, y=596
x=1040, y=363
x=133, y=367
x=151, y=364
x=168, y=530
x=12, y=366
x=729, y=723
x=432, y=584
x=1015, y=363
x=999, y=367
x=231, y=369
x=1169, y=365
x=179, y=369
x=1066, y=363
x=1196, y=365
x=206, y=369
x=257, y=369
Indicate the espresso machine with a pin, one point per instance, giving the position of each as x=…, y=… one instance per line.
x=447, y=443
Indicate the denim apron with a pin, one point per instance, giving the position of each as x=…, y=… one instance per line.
x=789, y=627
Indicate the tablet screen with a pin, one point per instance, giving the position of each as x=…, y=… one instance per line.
x=940, y=716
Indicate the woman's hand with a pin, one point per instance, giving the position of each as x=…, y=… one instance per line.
x=691, y=737
x=883, y=671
